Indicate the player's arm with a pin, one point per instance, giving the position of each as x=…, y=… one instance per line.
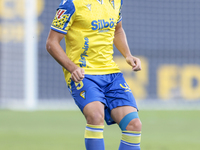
x=56, y=51
x=121, y=44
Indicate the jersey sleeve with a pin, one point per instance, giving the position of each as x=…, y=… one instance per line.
x=64, y=17
x=120, y=13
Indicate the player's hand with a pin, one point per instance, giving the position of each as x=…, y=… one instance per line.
x=134, y=62
x=77, y=75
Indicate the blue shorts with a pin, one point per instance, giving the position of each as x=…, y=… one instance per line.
x=110, y=89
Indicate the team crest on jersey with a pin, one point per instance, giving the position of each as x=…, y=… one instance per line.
x=60, y=13
x=82, y=94
x=89, y=6
x=112, y=2
x=100, y=1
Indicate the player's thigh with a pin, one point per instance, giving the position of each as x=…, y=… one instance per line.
x=94, y=113
x=120, y=99
x=119, y=113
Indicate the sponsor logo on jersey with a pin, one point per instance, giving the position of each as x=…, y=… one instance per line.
x=84, y=54
x=126, y=87
x=60, y=13
x=102, y=24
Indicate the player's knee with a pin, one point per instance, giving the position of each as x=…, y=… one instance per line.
x=95, y=118
x=134, y=125
x=131, y=122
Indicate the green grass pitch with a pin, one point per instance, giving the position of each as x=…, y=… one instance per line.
x=64, y=130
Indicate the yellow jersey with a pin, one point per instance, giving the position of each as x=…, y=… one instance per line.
x=89, y=26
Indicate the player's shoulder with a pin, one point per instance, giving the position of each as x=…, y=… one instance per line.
x=67, y=4
x=70, y=4
x=119, y=2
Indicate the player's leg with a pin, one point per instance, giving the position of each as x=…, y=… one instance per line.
x=127, y=118
x=94, y=114
x=90, y=98
x=122, y=108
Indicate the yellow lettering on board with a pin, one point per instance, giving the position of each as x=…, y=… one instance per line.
x=15, y=32
x=21, y=11
x=11, y=33
x=6, y=9
x=10, y=9
x=189, y=74
x=167, y=81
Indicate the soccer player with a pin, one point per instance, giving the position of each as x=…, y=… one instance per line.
x=90, y=28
